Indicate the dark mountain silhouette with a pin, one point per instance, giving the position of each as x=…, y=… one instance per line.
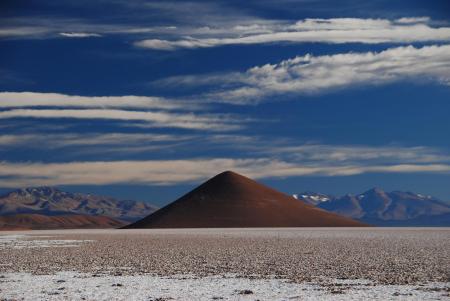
x=50, y=201
x=381, y=208
x=232, y=200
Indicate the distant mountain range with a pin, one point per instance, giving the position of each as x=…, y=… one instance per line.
x=71, y=221
x=48, y=207
x=377, y=207
x=51, y=208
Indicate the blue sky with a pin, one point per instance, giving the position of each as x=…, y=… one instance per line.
x=145, y=99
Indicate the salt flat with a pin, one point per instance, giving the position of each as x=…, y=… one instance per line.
x=228, y=264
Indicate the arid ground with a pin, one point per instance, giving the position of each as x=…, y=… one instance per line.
x=226, y=264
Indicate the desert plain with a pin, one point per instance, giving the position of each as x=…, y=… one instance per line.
x=226, y=264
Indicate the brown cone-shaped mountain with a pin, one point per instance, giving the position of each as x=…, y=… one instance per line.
x=231, y=200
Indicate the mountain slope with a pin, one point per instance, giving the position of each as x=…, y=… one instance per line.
x=39, y=222
x=232, y=200
x=51, y=202
x=395, y=208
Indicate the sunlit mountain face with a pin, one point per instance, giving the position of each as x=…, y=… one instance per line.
x=144, y=100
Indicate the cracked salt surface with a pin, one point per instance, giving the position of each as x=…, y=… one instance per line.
x=36, y=241
x=226, y=264
x=83, y=286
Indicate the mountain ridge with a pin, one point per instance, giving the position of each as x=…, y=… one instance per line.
x=395, y=208
x=45, y=222
x=51, y=201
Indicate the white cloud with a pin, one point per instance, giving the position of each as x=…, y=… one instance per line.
x=22, y=31
x=108, y=140
x=210, y=79
x=151, y=18
x=57, y=27
x=36, y=99
x=335, y=30
x=165, y=112
x=151, y=172
x=359, y=154
x=178, y=171
x=318, y=74
x=86, y=139
x=282, y=149
x=79, y=34
x=98, y=145
x=413, y=20
x=216, y=28
x=281, y=159
x=155, y=119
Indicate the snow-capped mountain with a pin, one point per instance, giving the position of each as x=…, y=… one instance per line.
x=377, y=207
x=312, y=197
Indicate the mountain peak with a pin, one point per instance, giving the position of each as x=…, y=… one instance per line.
x=378, y=207
x=35, y=191
x=375, y=190
x=228, y=183
x=232, y=200
x=312, y=198
x=229, y=175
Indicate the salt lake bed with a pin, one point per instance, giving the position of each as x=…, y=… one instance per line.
x=226, y=264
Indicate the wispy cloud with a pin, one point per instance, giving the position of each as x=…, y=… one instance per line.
x=58, y=27
x=310, y=74
x=36, y=99
x=155, y=119
x=335, y=30
x=118, y=145
x=222, y=25
x=282, y=159
x=22, y=31
x=79, y=34
x=413, y=20
x=151, y=172
x=358, y=154
x=282, y=149
x=178, y=171
x=141, y=110
x=86, y=139
x=131, y=18
x=96, y=145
